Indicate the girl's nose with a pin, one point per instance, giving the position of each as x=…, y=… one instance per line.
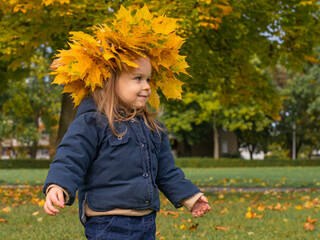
x=146, y=86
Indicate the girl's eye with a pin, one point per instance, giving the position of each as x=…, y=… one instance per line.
x=148, y=80
x=138, y=78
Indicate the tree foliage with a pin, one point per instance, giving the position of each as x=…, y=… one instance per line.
x=229, y=45
x=301, y=108
x=27, y=104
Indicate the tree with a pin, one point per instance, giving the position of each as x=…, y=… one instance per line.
x=28, y=26
x=301, y=109
x=26, y=103
x=225, y=40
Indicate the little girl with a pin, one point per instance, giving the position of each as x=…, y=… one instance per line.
x=115, y=153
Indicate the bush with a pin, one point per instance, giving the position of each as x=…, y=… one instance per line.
x=193, y=162
x=24, y=163
x=237, y=162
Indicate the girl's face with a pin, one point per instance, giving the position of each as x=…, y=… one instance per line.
x=133, y=84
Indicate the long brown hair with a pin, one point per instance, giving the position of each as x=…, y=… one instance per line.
x=109, y=104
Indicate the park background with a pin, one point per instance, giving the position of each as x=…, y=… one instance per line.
x=253, y=92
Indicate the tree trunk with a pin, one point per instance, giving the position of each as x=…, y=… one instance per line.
x=34, y=147
x=215, y=139
x=67, y=115
x=251, y=149
x=33, y=150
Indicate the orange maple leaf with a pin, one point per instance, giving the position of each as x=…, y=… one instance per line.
x=3, y=220
x=221, y=228
x=310, y=224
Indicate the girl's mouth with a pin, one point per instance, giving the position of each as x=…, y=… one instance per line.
x=143, y=96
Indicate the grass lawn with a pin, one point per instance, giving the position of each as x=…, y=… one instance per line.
x=266, y=216
x=222, y=177
x=295, y=177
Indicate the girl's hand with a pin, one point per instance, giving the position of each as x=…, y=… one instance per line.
x=200, y=207
x=54, y=196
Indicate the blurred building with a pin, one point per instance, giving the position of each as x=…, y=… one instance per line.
x=228, y=144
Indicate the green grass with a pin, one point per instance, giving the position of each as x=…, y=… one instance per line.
x=222, y=177
x=256, y=177
x=281, y=217
x=23, y=176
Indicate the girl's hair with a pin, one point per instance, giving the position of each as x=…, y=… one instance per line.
x=109, y=103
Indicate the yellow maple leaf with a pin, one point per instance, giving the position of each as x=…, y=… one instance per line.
x=77, y=89
x=61, y=79
x=167, y=59
x=124, y=27
x=123, y=13
x=171, y=87
x=180, y=66
x=154, y=99
x=83, y=36
x=174, y=42
x=164, y=25
x=107, y=55
x=93, y=78
x=142, y=13
x=125, y=59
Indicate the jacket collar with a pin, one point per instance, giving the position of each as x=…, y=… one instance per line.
x=86, y=105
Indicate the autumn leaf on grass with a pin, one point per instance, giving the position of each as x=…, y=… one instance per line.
x=224, y=211
x=166, y=213
x=191, y=227
x=35, y=213
x=3, y=220
x=6, y=210
x=41, y=203
x=310, y=224
x=261, y=208
x=252, y=215
x=221, y=228
x=221, y=196
x=279, y=207
x=313, y=203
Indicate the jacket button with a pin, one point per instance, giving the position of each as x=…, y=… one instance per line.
x=146, y=203
x=142, y=145
x=145, y=174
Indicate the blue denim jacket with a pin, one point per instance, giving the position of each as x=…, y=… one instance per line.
x=116, y=172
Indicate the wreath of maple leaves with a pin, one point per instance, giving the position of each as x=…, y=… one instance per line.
x=89, y=60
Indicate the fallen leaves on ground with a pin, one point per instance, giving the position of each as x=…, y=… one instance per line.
x=191, y=227
x=252, y=215
x=221, y=228
x=13, y=197
x=20, y=196
x=172, y=213
x=310, y=224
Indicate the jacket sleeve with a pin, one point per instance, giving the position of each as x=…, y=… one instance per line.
x=170, y=179
x=74, y=154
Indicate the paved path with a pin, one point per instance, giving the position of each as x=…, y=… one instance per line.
x=216, y=189
x=255, y=189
